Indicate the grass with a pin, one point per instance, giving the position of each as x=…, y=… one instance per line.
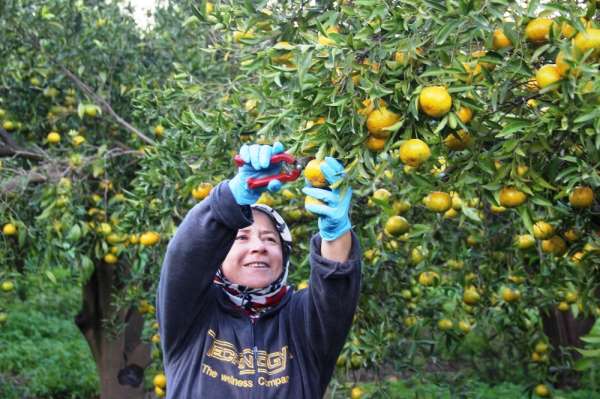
x=43, y=353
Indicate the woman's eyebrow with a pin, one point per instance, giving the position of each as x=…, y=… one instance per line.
x=247, y=229
x=268, y=232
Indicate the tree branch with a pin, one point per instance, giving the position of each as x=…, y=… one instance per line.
x=12, y=148
x=53, y=171
x=9, y=152
x=22, y=181
x=7, y=139
x=105, y=105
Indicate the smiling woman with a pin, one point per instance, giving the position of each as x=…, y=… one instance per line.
x=254, y=273
x=230, y=326
x=256, y=257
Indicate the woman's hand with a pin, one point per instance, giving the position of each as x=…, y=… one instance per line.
x=257, y=163
x=334, y=214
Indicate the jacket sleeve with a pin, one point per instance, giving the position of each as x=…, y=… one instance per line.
x=328, y=304
x=193, y=256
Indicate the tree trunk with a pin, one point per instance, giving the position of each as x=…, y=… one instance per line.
x=120, y=359
x=564, y=332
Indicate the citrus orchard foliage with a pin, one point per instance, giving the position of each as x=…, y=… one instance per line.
x=496, y=197
x=469, y=130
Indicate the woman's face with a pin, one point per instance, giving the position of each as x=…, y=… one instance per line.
x=255, y=259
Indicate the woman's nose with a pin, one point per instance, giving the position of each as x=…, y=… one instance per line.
x=257, y=245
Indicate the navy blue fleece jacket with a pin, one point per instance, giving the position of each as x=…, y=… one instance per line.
x=213, y=350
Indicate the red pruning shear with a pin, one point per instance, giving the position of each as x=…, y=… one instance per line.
x=286, y=176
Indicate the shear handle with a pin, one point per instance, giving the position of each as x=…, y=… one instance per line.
x=281, y=157
x=264, y=181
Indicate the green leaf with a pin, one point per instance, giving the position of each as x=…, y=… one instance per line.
x=589, y=116
x=46, y=14
x=532, y=7
x=591, y=339
x=590, y=353
x=51, y=276
x=98, y=168
x=471, y=213
x=379, y=90
x=87, y=268
x=304, y=63
x=74, y=233
x=539, y=180
x=441, y=125
x=539, y=51
x=81, y=110
x=526, y=218
x=516, y=125
x=199, y=11
x=564, y=173
x=191, y=20
x=434, y=72
x=584, y=364
x=492, y=186
x=341, y=101
x=207, y=128
x=46, y=212
x=509, y=146
x=395, y=126
x=446, y=30
x=452, y=120
x=542, y=202
x=595, y=329
x=569, y=158
x=22, y=237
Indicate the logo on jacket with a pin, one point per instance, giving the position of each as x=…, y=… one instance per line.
x=248, y=360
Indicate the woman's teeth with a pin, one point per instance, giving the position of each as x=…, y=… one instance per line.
x=257, y=265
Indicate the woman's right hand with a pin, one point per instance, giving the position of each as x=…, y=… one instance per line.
x=257, y=163
x=334, y=212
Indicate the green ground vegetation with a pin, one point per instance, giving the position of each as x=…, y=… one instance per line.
x=43, y=355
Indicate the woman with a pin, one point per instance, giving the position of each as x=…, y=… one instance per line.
x=230, y=326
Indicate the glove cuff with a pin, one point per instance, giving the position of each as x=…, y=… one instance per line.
x=329, y=235
x=242, y=195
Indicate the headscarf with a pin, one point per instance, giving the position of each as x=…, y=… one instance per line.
x=255, y=301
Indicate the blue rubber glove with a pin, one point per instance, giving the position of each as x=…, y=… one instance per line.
x=257, y=163
x=334, y=215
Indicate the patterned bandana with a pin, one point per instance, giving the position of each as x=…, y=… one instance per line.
x=255, y=301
